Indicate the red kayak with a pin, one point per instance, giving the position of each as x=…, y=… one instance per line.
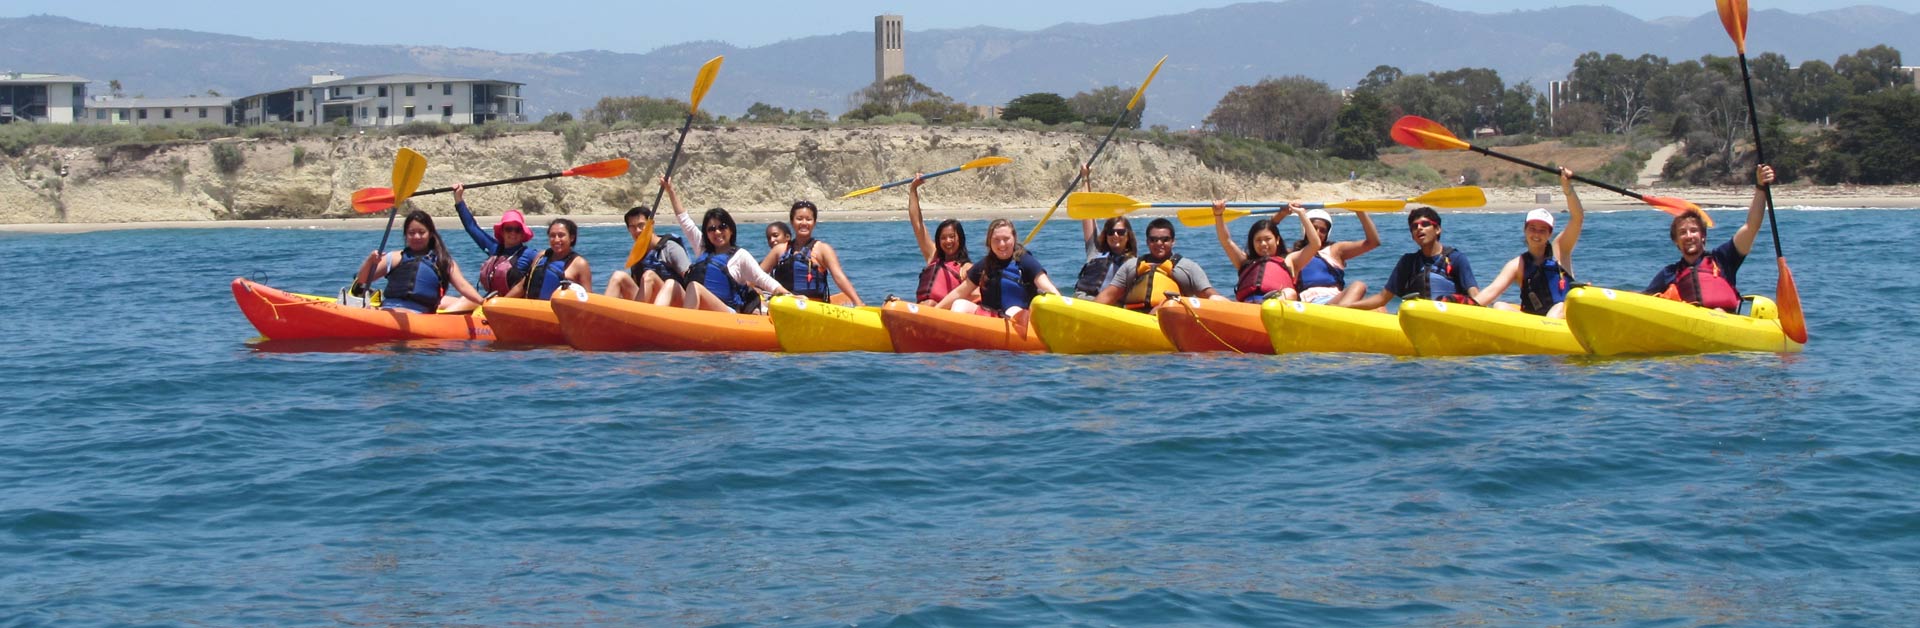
x=281, y=315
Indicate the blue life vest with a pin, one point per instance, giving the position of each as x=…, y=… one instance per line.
x=548, y=276
x=710, y=270
x=1542, y=285
x=800, y=275
x=1320, y=273
x=416, y=282
x=1005, y=287
x=656, y=262
x=1435, y=279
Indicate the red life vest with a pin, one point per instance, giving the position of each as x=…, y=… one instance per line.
x=1702, y=284
x=1261, y=276
x=937, y=279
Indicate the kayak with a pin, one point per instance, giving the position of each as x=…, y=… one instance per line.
x=915, y=328
x=1616, y=322
x=804, y=326
x=1297, y=327
x=1069, y=325
x=525, y=321
x=1437, y=328
x=597, y=322
x=1194, y=324
x=280, y=315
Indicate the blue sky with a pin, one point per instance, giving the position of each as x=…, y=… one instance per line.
x=643, y=26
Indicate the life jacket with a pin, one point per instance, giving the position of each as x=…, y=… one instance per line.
x=938, y=279
x=501, y=271
x=1320, y=273
x=1095, y=274
x=656, y=261
x=548, y=274
x=1261, y=276
x=1151, y=283
x=1439, y=273
x=416, y=279
x=1702, y=284
x=710, y=270
x=1542, y=286
x=1005, y=287
x=800, y=275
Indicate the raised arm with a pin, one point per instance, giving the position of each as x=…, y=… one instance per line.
x=688, y=228
x=1349, y=250
x=1500, y=283
x=927, y=249
x=1234, y=255
x=480, y=236
x=1088, y=230
x=1743, y=239
x=1570, y=236
x=1299, y=258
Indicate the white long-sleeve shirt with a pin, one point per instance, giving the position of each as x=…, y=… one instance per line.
x=742, y=266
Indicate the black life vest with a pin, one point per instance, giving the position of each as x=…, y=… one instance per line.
x=1441, y=266
x=417, y=278
x=1542, y=285
x=1096, y=272
x=797, y=271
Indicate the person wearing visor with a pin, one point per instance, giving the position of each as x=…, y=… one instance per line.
x=1545, y=268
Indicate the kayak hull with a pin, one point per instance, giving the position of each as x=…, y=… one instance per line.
x=1201, y=325
x=280, y=315
x=596, y=322
x=1452, y=329
x=915, y=328
x=523, y=321
x=804, y=326
x=1079, y=326
x=1297, y=327
x=1616, y=322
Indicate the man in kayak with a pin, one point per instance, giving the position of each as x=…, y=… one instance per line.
x=666, y=260
x=508, y=256
x=1706, y=278
x=1143, y=286
x=1545, y=269
x=1436, y=271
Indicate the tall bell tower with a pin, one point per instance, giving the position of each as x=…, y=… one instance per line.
x=889, y=47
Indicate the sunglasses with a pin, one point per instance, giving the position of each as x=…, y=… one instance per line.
x=1424, y=224
x=716, y=228
x=1117, y=232
x=1159, y=239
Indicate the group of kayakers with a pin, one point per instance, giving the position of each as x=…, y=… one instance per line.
x=706, y=268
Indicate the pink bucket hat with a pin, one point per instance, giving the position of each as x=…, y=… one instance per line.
x=513, y=218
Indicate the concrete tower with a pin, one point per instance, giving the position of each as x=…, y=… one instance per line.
x=889, y=47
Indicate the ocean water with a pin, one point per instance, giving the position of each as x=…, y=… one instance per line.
x=161, y=467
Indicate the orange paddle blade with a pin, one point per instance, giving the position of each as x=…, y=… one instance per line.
x=1424, y=134
x=370, y=200
x=1678, y=206
x=598, y=170
x=1733, y=15
x=1792, y=319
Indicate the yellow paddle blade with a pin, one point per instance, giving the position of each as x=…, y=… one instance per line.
x=862, y=192
x=1452, y=198
x=704, y=81
x=408, y=168
x=1143, y=84
x=1203, y=216
x=986, y=162
x=1392, y=205
x=1101, y=205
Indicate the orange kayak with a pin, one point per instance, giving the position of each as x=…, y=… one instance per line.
x=916, y=328
x=596, y=322
x=523, y=321
x=281, y=315
x=1207, y=325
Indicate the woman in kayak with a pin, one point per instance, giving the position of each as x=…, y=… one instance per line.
x=804, y=264
x=1545, y=269
x=722, y=277
x=1434, y=271
x=418, y=275
x=1323, y=279
x=1268, y=273
x=557, y=265
x=945, y=252
x=665, y=261
x=1004, y=283
x=508, y=256
x=1706, y=278
x=1109, y=247
x=778, y=233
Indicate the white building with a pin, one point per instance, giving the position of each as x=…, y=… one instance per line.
x=145, y=111
x=43, y=98
x=385, y=100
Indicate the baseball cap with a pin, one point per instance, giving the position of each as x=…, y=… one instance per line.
x=1319, y=214
x=1540, y=214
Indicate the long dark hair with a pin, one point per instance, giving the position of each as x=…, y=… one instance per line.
x=781, y=227
x=1100, y=239
x=733, y=230
x=1267, y=225
x=960, y=232
x=798, y=205
x=434, y=245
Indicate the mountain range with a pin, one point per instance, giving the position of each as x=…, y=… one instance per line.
x=1210, y=51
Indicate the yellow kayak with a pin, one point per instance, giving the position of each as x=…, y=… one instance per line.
x=804, y=326
x=1616, y=322
x=1297, y=327
x=1439, y=328
x=1069, y=325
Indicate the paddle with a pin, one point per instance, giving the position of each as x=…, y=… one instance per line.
x=1424, y=134
x=1733, y=15
x=369, y=200
x=1137, y=94
x=1444, y=198
x=983, y=162
x=408, y=168
x=701, y=83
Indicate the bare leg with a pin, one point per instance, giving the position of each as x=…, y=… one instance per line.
x=698, y=298
x=650, y=285
x=621, y=286
x=1354, y=293
x=1559, y=310
x=964, y=306
x=1505, y=306
x=1020, y=321
x=670, y=295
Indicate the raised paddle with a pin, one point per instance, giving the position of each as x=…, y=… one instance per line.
x=369, y=200
x=1424, y=134
x=408, y=168
x=1131, y=103
x=1445, y=198
x=983, y=162
x=701, y=83
x=1100, y=205
x=1733, y=15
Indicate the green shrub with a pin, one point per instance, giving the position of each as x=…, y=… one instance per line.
x=423, y=129
x=299, y=156
x=227, y=157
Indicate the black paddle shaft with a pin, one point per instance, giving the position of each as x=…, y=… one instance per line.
x=674, y=159
x=487, y=184
x=1090, y=159
x=1543, y=168
x=1760, y=153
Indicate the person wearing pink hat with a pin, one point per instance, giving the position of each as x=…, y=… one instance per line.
x=1545, y=269
x=508, y=256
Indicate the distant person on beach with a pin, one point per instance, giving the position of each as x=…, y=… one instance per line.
x=1545, y=269
x=1706, y=278
x=805, y=263
x=560, y=264
x=1109, y=247
x=1434, y=271
x=1144, y=284
x=665, y=261
x=1004, y=283
x=508, y=256
x=945, y=251
x=722, y=276
x=419, y=274
x=1323, y=279
x=1265, y=268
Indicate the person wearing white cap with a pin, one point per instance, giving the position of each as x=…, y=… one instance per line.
x=1545, y=269
x=1323, y=279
